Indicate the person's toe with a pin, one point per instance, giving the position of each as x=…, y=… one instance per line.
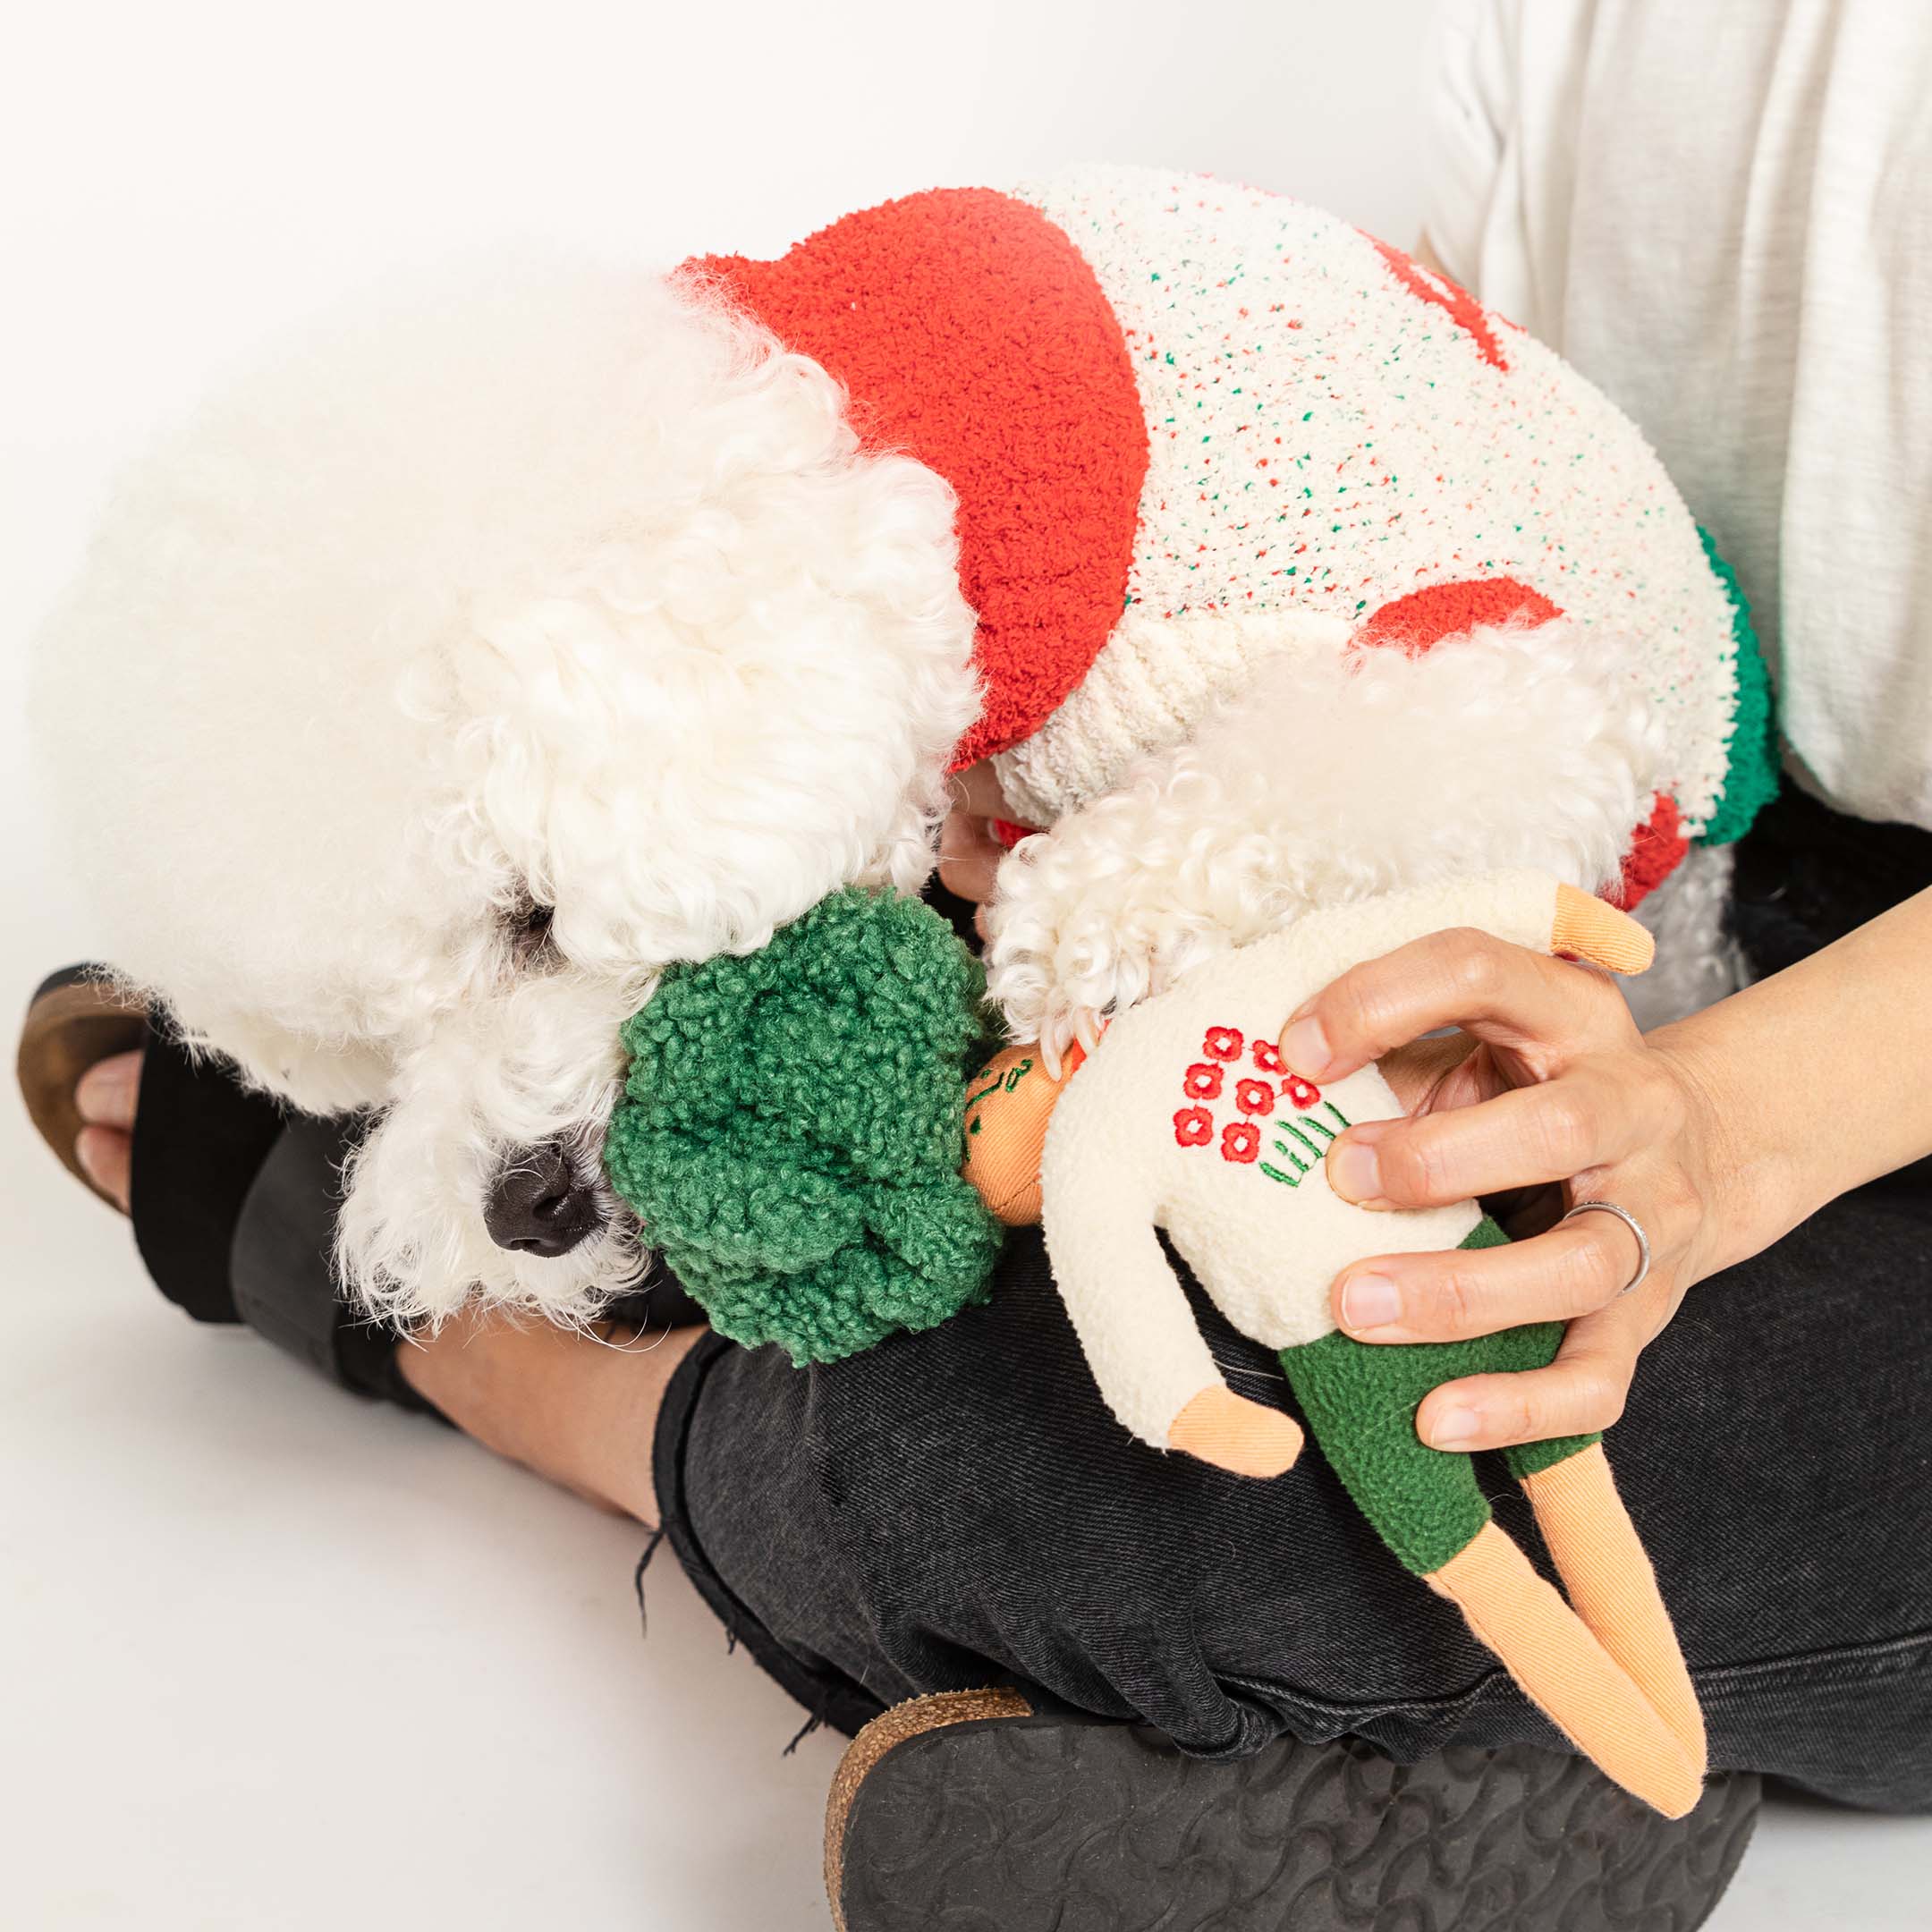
x=107, y=1157
x=106, y=1093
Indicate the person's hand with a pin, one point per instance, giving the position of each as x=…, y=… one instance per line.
x=969, y=853
x=1551, y=1085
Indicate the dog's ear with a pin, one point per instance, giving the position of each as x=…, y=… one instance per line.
x=314, y=1074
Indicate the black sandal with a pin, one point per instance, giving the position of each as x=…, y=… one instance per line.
x=987, y=1807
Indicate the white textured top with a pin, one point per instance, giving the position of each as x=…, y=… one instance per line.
x=1721, y=214
x=1332, y=430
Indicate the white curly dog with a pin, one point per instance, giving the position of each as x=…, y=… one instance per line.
x=450, y=675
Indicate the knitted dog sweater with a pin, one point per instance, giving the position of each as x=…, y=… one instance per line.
x=1193, y=425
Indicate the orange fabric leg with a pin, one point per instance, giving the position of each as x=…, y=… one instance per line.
x=1567, y=1674
x=1610, y=1582
x=1601, y=934
x=1009, y=1104
x=1233, y=1433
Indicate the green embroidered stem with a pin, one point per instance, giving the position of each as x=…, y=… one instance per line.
x=1302, y=1168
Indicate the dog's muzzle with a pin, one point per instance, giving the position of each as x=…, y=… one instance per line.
x=538, y=1205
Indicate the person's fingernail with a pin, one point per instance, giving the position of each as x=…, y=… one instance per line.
x=1355, y=1171
x=1305, y=1047
x=1454, y=1427
x=1370, y=1301
x=87, y=1147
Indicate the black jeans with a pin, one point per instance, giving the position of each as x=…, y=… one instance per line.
x=957, y=1507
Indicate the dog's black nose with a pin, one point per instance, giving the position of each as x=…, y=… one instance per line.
x=538, y=1205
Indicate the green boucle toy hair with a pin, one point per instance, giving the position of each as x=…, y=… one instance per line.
x=791, y=1131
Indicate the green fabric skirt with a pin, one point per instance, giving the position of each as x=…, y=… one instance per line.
x=1360, y=1401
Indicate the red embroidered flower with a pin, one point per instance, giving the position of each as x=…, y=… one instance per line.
x=1301, y=1092
x=1193, y=1126
x=1241, y=1141
x=1255, y=1096
x=1266, y=1058
x=1201, y=1081
x=1222, y=1043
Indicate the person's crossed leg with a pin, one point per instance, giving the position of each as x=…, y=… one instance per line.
x=956, y=1511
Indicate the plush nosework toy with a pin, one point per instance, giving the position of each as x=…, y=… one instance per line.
x=1185, y=1119
x=790, y=1139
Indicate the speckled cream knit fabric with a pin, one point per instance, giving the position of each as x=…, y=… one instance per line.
x=1331, y=429
x=1194, y=429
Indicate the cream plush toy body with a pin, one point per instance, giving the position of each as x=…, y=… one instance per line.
x=1183, y=1118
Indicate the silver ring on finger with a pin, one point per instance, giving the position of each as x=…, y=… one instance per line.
x=1635, y=1228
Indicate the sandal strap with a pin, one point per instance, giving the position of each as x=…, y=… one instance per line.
x=200, y=1139
x=282, y=1271
x=233, y=1205
x=279, y=1255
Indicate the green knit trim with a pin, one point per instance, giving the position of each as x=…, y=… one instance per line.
x=791, y=1131
x=1751, y=780
x=1360, y=1401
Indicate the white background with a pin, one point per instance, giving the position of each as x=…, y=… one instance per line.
x=269, y=1657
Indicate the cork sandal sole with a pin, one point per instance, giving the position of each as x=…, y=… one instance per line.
x=75, y=1021
x=915, y=1718
x=974, y=1809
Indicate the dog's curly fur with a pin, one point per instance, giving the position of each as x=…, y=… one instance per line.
x=1335, y=777
x=550, y=589
x=563, y=591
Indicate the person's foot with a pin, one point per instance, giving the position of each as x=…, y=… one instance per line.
x=105, y=1098
x=975, y=1807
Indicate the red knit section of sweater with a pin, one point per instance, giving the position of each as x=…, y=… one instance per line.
x=1463, y=309
x=1657, y=848
x=972, y=334
x=1425, y=617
